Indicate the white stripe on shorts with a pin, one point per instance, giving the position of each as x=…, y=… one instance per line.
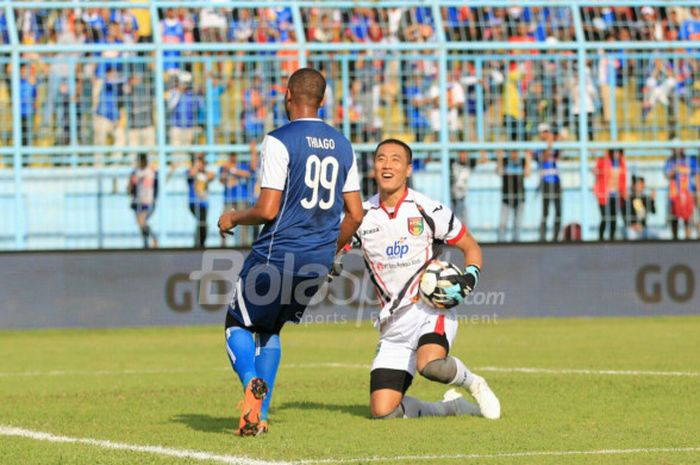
x=241, y=304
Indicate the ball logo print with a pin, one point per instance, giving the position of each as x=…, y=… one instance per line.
x=398, y=249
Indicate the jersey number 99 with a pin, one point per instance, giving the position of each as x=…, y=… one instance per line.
x=320, y=174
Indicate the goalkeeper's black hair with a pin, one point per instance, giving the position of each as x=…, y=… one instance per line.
x=397, y=142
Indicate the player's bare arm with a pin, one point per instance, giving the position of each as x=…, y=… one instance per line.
x=471, y=250
x=264, y=211
x=352, y=220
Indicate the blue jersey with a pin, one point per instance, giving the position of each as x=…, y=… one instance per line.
x=237, y=188
x=313, y=165
x=549, y=171
x=27, y=97
x=184, y=109
x=684, y=171
x=172, y=32
x=198, y=189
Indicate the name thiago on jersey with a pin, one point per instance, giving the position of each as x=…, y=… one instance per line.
x=318, y=143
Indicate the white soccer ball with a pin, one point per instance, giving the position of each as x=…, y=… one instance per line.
x=433, y=283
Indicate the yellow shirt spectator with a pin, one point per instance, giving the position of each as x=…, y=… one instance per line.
x=512, y=101
x=143, y=18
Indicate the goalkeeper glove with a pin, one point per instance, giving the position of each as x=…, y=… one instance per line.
x=336, y=268
x=463, y=285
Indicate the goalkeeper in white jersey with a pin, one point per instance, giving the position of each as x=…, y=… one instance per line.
x=401, y=233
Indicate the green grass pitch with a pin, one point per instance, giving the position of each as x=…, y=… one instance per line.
x=172, y=387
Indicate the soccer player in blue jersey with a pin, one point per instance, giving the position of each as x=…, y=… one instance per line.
x=308, y=179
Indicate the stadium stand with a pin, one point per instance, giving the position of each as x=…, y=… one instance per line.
x=471, y=85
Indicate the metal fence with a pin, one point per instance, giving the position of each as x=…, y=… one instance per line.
x=476, y=87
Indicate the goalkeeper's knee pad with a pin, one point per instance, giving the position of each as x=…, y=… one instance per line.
x=442, y=370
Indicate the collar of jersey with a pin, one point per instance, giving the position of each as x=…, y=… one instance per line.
x=307, y=119
x=396, y=208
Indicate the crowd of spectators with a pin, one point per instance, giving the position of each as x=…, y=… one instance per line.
x=360, y=24
x=513, y=93
x=108, y=97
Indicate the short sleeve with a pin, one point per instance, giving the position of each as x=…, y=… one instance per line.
x=275, y=164
x=448, y=227
x=352, y=181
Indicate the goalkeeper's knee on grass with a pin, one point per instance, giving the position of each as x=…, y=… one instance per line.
x=398, y=412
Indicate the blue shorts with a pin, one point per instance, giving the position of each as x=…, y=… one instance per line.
x=145, y=207
x=264, y=298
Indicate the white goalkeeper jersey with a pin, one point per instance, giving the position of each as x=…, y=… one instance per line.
x=397, y=244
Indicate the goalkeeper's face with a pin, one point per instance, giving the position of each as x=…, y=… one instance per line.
x=392, y=168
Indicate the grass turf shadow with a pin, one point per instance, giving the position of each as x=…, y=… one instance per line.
x=212, y=424
x=358, y=410
x=207, y=423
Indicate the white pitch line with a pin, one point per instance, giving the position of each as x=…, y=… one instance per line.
x=528, y=370
x=577, y=371
x=137, y=371
x=544, y=453
x=155, y=450
x=234, y=460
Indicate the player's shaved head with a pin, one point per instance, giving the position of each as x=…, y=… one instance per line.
x=307, y=87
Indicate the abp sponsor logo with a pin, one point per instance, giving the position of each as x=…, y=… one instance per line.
x=398, y=249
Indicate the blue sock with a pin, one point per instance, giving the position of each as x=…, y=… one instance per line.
x=240, y=346
x=267, y=361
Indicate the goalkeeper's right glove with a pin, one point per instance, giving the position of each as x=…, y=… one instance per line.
x=464, y=284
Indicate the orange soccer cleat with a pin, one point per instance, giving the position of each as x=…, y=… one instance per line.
x=253, y=397
x=262, y=427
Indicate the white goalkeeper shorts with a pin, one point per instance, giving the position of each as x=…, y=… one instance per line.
x=400, y=335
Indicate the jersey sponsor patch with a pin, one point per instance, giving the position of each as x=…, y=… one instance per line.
x=398, y=249
x=416, y=226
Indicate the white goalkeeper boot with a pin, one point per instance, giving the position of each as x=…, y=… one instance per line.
x=458, y=404
x=484, y=396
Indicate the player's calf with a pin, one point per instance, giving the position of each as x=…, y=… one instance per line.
x=451, y=370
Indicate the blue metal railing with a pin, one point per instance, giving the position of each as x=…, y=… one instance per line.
x=442, y=50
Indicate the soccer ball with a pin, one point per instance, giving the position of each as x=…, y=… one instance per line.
x=433, y=283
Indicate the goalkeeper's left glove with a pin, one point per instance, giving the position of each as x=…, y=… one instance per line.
x=336, y=269
x=464, y=284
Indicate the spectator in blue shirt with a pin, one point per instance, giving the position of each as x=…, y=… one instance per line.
x=253, y=114
x=110, y=58
x=238, y=179
x=96, y=20
x=415, y=101
x=4, y=33
x=172, y=32
x=198, y=179
x=27, y=95
x=550, y=184
x=218, y=87
x=107, y=113
x=183, y=111
x=690, y=28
